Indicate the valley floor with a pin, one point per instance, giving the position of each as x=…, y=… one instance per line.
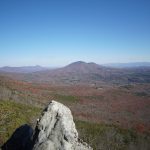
x=106, y=116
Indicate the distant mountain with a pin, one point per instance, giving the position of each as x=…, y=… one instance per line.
x=128, y=65
x=84, y=73
x=24, y=69
x=76, y=68
x=82, y=67
x=77, y=72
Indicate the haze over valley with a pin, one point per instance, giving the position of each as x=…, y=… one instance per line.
x=75, y=75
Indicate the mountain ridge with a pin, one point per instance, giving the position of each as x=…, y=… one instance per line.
x=22, y=69
x=128, y=65
x=82, y=72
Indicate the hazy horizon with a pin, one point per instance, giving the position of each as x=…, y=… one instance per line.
x=57, y=33
x=105, y=64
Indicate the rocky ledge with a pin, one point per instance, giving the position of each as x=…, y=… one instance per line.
x=55, y=130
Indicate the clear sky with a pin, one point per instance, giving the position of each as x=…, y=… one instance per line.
x=57, y=32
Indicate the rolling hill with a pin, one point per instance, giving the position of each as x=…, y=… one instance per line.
x=128, y=65
x=85, y=73
x=104, y=109
x=24, y=69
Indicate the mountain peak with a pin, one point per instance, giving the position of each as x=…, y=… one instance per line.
x=82, y=63
x=78, y=63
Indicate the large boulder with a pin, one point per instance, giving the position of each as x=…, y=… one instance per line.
x=56, y=130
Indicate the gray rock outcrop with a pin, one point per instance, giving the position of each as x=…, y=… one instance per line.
x=56, y=130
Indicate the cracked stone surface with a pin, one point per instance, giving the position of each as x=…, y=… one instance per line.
x=56, y=130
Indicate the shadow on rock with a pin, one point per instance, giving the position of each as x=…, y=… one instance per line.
x=20, y=139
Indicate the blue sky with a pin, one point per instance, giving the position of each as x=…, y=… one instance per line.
x=57, y=32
